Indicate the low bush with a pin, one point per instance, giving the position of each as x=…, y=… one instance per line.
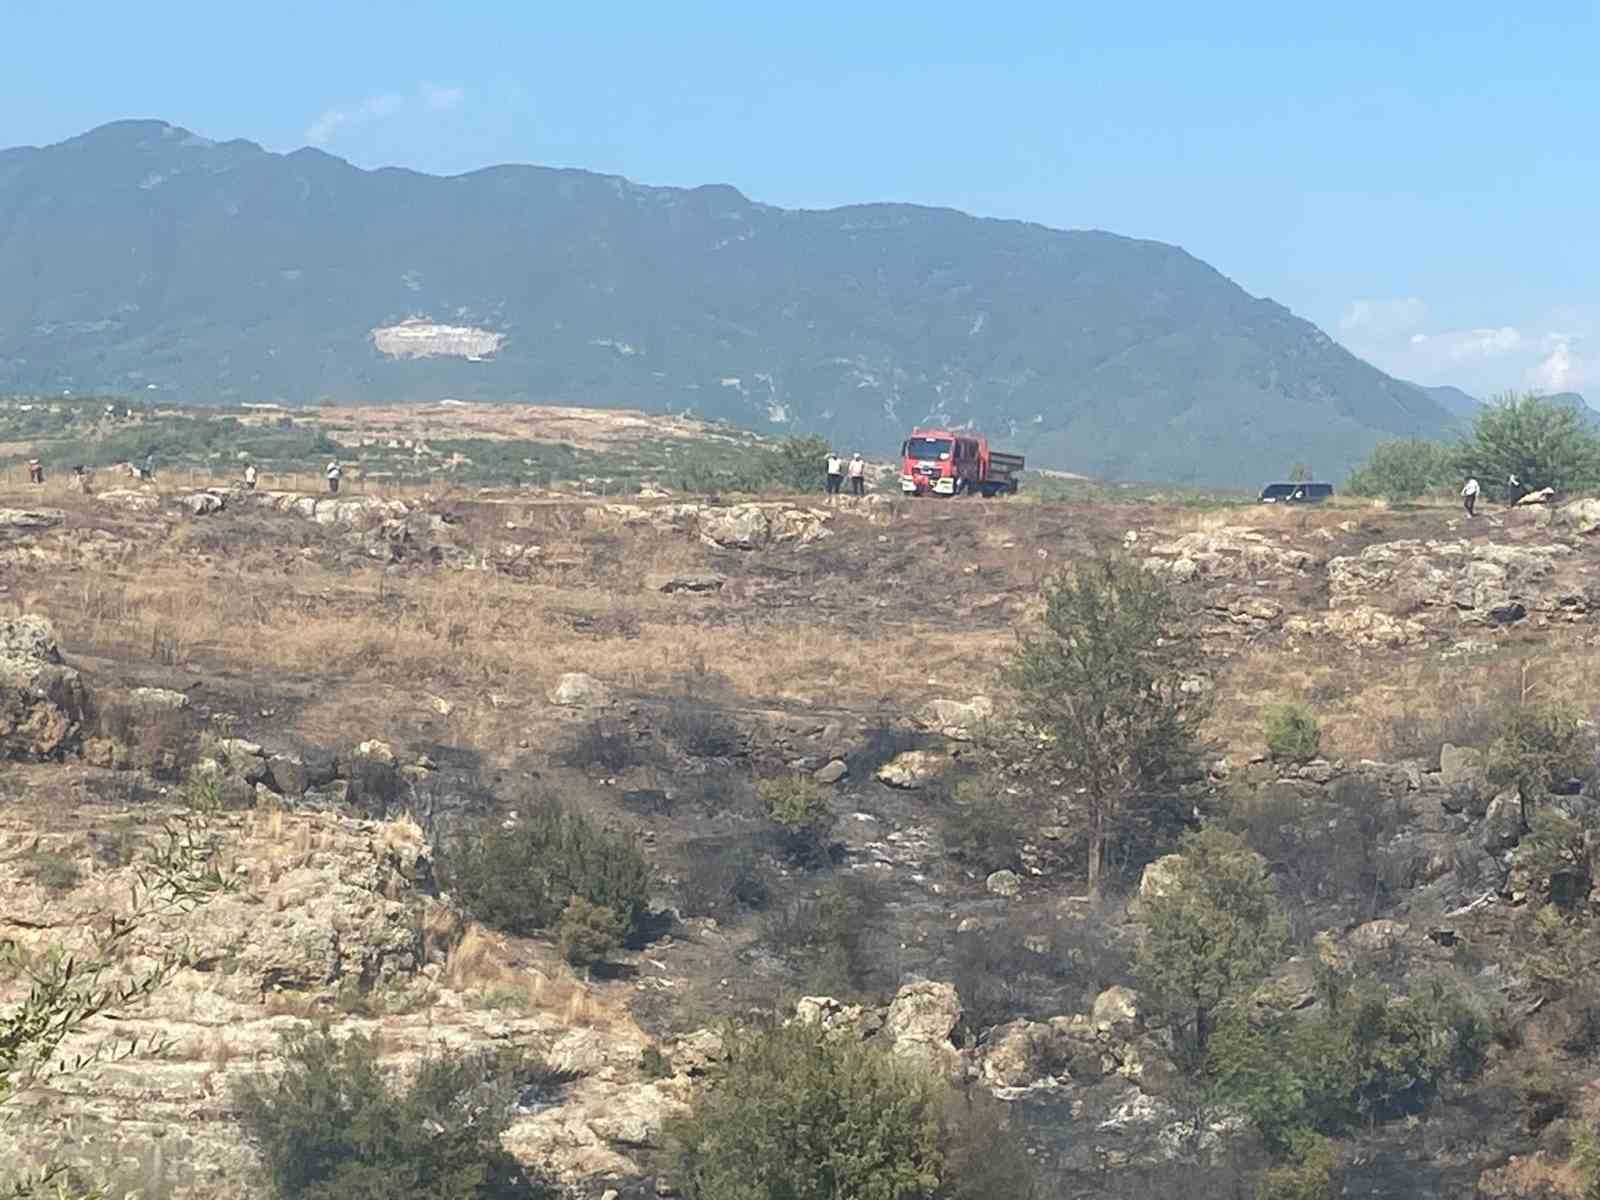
x=1292, y=732
x=700, y=729
x=587, y=932
x=330, y=1127
x=983, y=828
x=520, y=875
x=1308, y=1175
x=1370, y=1056
x=56, y=872
x=806, y=1116
x=604, y=745
x=1537, y=750
x=798, y=804
x=721, y=876
x=835, y=938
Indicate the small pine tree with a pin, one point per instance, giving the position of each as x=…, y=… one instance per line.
x=1293, y=734
x=1215, y=931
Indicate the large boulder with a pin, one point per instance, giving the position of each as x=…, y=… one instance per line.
x=1581, y=516
x=1502, y=825
x=1020, y=1054
x=42, y=701
x=130, y=499
x=741, y=527
x=577, y=690
x=204, y=503
x=1117, y=1013
x=956, y=719
x=1160, y=876
x=912, y=770
x=921, y=1025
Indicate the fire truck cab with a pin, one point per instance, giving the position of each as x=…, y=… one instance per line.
x=942, y=462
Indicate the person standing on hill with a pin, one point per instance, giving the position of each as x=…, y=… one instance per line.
x=1514, y=489
x=148, y=471
x=1469, y=496
x=858, y=475
x=333, y=473
x=250, y=476
x=835, y=472
x=35, y=471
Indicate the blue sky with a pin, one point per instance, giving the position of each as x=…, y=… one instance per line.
x=1418, y=178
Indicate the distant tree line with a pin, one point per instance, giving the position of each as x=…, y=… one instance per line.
x=1538, y=442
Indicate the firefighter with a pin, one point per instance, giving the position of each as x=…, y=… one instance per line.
x=333, y=473
x=835, y=472
x=858, y=475
x=1469, y=496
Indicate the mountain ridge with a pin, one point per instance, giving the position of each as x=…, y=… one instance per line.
x=220, y=271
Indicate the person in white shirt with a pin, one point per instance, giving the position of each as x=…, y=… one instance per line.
x=333, y=473
x=1469, y=496
x=835, y=472
x=858, y=475
x=250, y=476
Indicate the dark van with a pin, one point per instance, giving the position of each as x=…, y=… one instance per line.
x=1296, y=493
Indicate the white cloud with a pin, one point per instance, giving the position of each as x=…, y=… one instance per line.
x=438, y=98
x=1383, y=318
x=371, y=109
x=1544, y=352
x=1556, y=371
x=430, y=97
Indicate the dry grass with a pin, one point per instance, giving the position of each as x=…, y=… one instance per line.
x=480, y=966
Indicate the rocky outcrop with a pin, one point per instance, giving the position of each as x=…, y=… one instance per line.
x=203, y=503
x=684, y=581
x=130, y=499
x=1487, y=582
x=30, y=519
x=726, y=527
x=42, y=701
x=333, y=510
x=1232, y=552
x=1364, y=626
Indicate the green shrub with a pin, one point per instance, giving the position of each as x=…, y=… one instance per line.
x=1535, y=749
x=806, y=1116
x=56, y=872
x=1308, y=1175
x=331, y=1128
x=983, y=828
x=1552, y=859
x=1369, y=1056
x=1293, y=734
x=1401, y=470
x=519, y=876
x=587, y=932
x=799, y=805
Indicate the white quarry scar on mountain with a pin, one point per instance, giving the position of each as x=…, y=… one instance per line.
x=426, y=339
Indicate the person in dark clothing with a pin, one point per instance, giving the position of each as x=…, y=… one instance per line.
x=1469, y=497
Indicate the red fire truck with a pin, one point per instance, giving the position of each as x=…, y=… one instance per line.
x=939, y=462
